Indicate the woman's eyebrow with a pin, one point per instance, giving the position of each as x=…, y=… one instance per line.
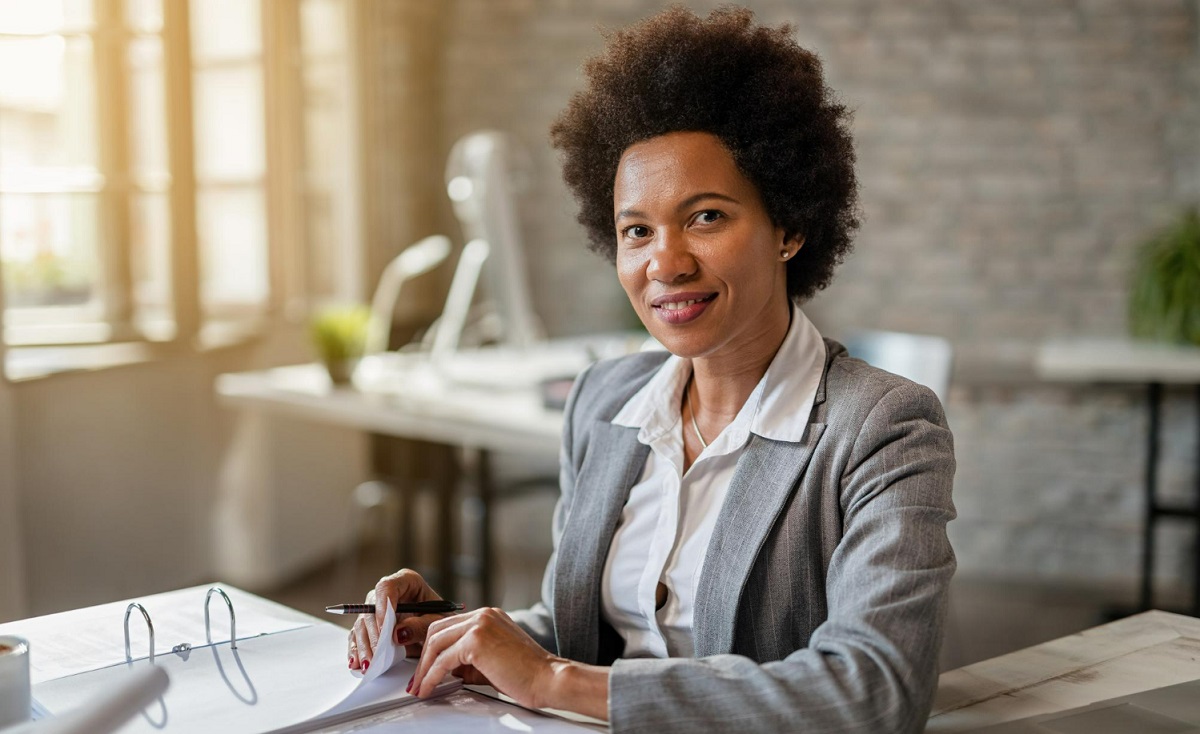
x=694, y=199
x=685, y=204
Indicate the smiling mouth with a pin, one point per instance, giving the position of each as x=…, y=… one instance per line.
x=679, y=305
x=682, y=308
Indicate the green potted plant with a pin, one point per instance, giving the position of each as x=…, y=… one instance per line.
x=339, y=333
x=1164, y=300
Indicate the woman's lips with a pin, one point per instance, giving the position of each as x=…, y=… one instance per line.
x=683, y=310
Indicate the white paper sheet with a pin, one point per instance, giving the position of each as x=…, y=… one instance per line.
x=287, y=682
x=385, y=653
x=88, y=639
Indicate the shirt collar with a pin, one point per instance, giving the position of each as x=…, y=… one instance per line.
x=779, y=406
x=655, y=408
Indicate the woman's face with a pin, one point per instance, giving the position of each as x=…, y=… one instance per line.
x=696, y=252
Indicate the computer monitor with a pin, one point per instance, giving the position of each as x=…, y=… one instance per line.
x=479, y=181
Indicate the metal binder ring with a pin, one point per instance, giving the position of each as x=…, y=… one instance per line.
x=232, y=617
x=150, y=625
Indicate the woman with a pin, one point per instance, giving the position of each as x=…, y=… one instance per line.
x=752, y=529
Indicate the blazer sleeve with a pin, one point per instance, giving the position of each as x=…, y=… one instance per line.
x=538, y=620
x=872, y=665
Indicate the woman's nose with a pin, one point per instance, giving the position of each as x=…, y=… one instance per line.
x=671, y=259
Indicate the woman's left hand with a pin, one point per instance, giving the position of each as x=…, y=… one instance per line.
x=486, y=646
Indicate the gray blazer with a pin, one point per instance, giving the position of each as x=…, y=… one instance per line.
x=821, y=602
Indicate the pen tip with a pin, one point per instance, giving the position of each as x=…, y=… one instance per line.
x=334, y=610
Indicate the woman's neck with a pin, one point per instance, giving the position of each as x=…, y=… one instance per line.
x=722, y=383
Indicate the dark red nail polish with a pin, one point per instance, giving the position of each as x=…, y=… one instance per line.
x=403, y=636
x=408, y=688
x=366, y=665
x=351, y=664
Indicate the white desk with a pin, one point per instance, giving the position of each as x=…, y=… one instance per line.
x=1138, y=363
x=485, y=398
x=1135, y=654
x=418, y=408
x=1117, y=360
x=413, y=402
x=58, y=642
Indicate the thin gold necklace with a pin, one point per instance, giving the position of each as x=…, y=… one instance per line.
x=692, y=410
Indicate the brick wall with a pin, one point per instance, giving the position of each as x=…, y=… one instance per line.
x=1012, y=154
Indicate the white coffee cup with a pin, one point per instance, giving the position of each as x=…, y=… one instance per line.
x=15, y=690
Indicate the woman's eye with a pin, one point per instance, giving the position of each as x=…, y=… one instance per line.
x=708, y=216
x=637, y=231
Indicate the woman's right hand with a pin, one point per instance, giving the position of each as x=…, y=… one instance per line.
x=403, y=586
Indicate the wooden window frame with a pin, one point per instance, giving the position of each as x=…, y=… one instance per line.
x=283, y=188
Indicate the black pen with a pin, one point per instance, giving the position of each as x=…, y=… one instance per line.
x=418, y=607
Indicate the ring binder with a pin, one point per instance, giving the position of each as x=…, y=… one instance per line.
x=283, y=681
x=232, y=617
x=145, y=615
x=183, y=647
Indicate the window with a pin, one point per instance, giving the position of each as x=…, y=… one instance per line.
x=330, y=180
x=231, y=158
x=141, y=196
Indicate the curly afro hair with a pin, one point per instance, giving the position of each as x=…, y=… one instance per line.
x=755, y=89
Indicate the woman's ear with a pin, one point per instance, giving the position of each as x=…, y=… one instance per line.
x=791, y=245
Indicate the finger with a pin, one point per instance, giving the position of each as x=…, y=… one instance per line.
x=450, y=658
x=356, y=660
x=352, y=649
x=404, y=585
x=369, y=628
x=442, y=634
x=372, y=631
x=382, y=602
x=360, y=645
x=365, y=650
x=355, y=631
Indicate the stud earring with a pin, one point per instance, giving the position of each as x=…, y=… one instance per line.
x=784, y=254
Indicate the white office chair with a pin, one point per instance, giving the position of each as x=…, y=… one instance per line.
x=414, y=260
x=926, y=360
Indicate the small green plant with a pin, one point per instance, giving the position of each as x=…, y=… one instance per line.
x=1164, y=301
x=339, y=334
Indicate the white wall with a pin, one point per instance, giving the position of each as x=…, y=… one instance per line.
x=120, y=476
x=282, y=497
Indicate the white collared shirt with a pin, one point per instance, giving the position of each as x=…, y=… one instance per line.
x=667, y=522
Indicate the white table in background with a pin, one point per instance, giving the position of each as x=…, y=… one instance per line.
x=419, y=407
x=416, y=405
x=1137, y=363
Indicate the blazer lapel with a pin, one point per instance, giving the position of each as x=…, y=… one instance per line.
x=766, y=476
x=613, y=464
